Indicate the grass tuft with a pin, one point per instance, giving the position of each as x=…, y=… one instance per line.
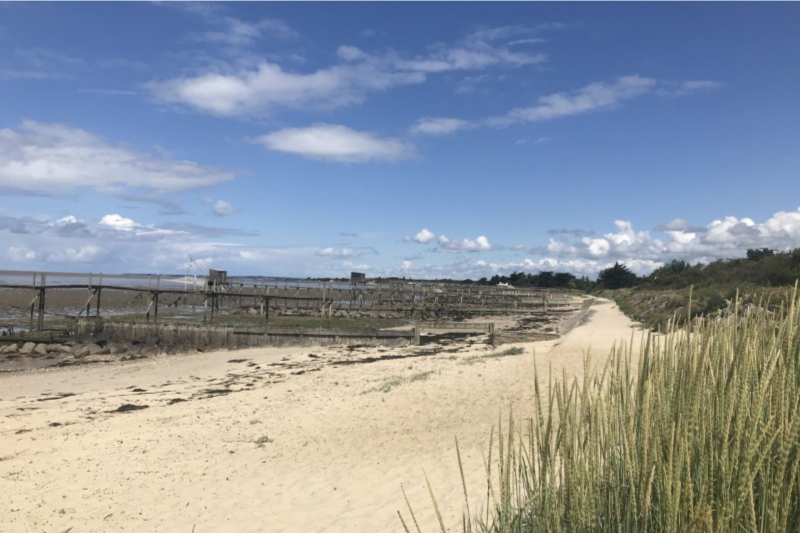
x=261, y=441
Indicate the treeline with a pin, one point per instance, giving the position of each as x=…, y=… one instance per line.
x=544, y=279
x=761, y=267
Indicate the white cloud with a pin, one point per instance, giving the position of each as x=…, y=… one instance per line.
x=21, y=254
x=440, y=126
x=222, y=208
x=116, y=222
x=339, y=252
x=424, y=236
x=589, y=98
x=261, y=87
x=336, y=143
x=405, y=265
x=49, y=158
x=260, y=90
x=351, y=53
x=725, y=238
x=598, y=95
x=480, y=244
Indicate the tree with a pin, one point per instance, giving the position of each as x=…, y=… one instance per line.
x=617, y=277
x=759, y=254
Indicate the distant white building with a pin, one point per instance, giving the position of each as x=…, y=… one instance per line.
x=505, y=285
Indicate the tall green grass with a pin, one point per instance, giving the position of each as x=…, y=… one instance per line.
x=705, y=438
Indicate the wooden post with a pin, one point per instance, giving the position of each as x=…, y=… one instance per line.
x=41, y=300
x=491, y=334
x=99, y=288
x=266, y=312
x=416, y=334
x=34, y=297
x=155, y=310
x=89, y=302
x=261, y=311
x=205, y=309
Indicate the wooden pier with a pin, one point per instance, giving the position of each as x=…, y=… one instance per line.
x=144, y=299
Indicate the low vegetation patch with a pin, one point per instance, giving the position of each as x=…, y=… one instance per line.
x=391, y=383
x=472, y=359
x=261, y=441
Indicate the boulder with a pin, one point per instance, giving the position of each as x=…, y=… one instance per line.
x=150, y=340
x=41, y=349
x=54, y=347
x=150, y=350
x=27, y=348
x=83, y=350
x=11, y=348
x=118, y=348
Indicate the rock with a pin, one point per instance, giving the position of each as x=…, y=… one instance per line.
x=89, y=339
x=80, y=350
x=150, y=341
x=95, y=349
x=70, y=343
x=86, y=349
x=118, y=348
x=150, y=350
x=66, y=348
x=11, y=348
x=103, y=336
x=54, y=347
x=41, y=349
x=253, y=312
x=27, y=348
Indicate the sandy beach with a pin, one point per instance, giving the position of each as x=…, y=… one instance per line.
x=269, y=439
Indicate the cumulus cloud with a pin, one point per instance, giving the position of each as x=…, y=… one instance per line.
x=723, y=238
x=46, y=158
x=580, y=253
x=336, y=143
x=440, y=126
x=222, y=208
x=480, y=244
x=424, y=236
x=114, y=221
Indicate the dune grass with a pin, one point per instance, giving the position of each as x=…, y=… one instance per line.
x=703, y=437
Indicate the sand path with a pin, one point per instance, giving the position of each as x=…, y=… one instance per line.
x=339, y=446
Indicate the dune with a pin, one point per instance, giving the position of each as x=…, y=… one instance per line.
x=270, y=439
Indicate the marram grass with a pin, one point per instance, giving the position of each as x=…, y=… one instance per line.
x=705, y=439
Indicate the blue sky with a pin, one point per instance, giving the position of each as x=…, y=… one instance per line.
x=412, y=139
